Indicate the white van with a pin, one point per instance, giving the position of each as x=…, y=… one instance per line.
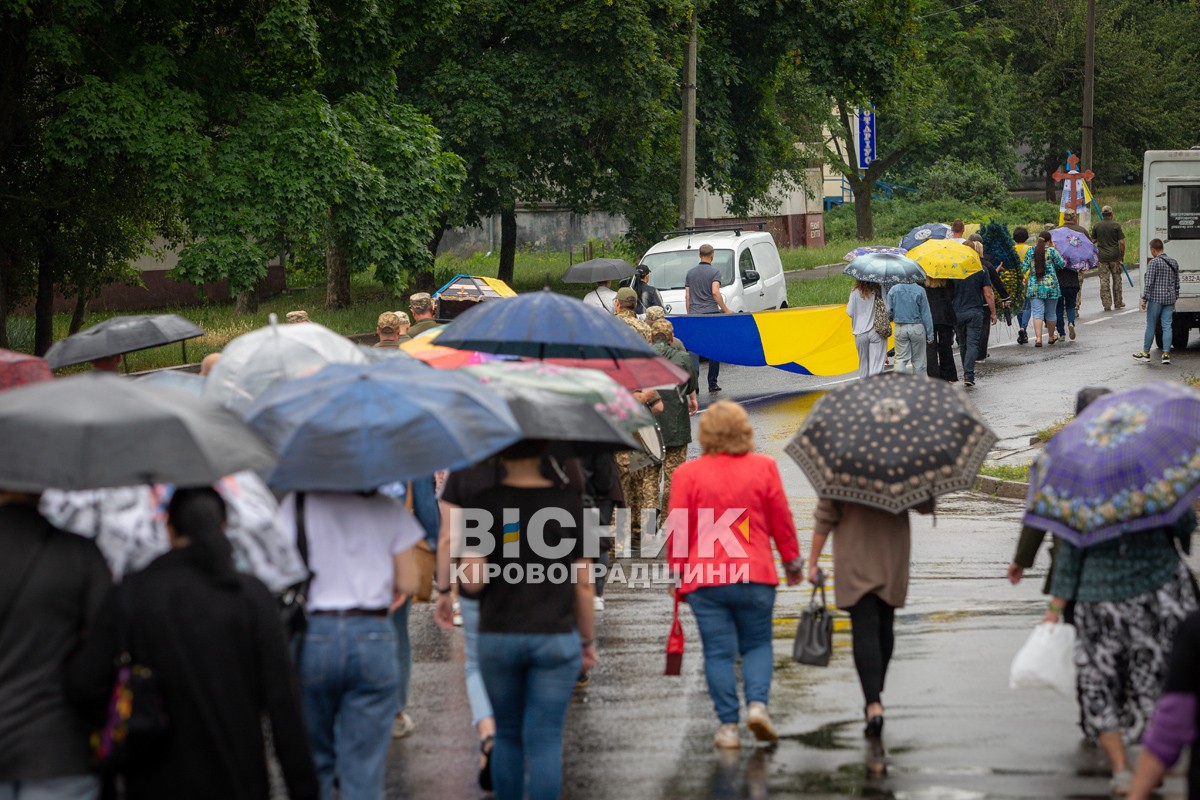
x=1171, y=212
x=756, y=284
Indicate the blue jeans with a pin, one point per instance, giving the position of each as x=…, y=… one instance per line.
x=529, y=678
x=477, y=696
x=71, y=787
x=1023, y=315
x=1158, y=313
x=348, y=681
x=970, y=324
x=1066, y=307
x=403, y=654
x=735, y=619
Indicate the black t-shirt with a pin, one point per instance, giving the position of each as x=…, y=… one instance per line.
x=968, y=293
x=1183, y=677
x=520, y=599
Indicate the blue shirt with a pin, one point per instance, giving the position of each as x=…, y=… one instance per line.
x=910, y=305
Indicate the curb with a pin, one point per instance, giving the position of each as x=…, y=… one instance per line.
x=995, y=487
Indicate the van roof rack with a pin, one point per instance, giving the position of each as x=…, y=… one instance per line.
x=714, y=229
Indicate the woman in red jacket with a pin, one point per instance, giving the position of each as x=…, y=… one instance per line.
x=725, y=508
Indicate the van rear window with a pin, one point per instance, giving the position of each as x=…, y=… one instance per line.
x=1183, y=212
x=668, y=270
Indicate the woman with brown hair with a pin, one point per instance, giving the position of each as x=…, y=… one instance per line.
x=872, y=348
x=1040, y=268
x=727, y=569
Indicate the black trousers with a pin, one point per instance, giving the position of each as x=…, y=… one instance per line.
x=871, y=624
x=940, y=354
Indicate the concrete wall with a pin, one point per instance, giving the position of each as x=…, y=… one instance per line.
x=544, y=228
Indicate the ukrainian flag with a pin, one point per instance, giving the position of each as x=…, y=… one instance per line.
x=807, y=341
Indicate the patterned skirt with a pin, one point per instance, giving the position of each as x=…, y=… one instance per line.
x=1122, y=651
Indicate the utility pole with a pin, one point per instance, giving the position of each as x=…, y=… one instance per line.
x=687, y=171
x=1089, y=86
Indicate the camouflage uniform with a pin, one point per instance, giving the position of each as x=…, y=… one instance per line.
x=675, y=421
x=627, y=316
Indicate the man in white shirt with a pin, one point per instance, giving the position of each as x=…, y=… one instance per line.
x=347, y=659
x=603, y=296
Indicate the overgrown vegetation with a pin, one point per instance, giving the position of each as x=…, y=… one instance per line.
x=1006, y=472
x=1047, y=433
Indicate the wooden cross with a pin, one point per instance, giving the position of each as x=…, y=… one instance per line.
x=1072, y=176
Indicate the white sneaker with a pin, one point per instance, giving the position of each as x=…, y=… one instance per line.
x=758, y=720
x=402, y=725
x=598, y=604
x=1120, y=783
x=457, y=615
x=727, y=737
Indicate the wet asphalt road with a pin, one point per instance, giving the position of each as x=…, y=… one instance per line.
x=954, y=728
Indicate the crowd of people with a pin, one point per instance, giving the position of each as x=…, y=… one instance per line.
x=965, y=310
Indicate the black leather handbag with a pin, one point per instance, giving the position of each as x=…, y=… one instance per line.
x=814, y=634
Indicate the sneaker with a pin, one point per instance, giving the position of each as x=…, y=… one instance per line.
x=1120, y=783
x=1142, y=356
x=598, y=604
x=402, y=725
x=968, y=381
x=457, y=615
x=582, y=681
x=758, y=720
x=1022, y=337
x=1071, y=330
x=727, y=737
x=714, y=389
x=1166, y=358
x=1120, y=305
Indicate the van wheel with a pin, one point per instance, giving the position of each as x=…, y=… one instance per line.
x=1179, y=336
x=1158, y=336
x=783, y=304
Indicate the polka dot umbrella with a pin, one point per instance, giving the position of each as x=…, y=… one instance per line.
x=891, y=442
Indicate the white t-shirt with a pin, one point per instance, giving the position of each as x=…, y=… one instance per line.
x=862, y=312
x=601, y=297
x=351, y=541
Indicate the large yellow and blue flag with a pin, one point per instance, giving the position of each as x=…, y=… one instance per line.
x=807, y=341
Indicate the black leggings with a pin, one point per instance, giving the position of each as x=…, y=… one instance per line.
x=871, y=622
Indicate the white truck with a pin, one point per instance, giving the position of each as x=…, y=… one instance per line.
x=1171, y=212
x=751, y=272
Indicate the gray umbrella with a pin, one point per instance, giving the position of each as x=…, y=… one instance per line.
x=97, y=430
x=598, y=269
x=118, y=335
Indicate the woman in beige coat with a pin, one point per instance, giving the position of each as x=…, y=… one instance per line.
x=870, y=557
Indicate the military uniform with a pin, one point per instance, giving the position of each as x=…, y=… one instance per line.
x=675, y=421
x=627, y=316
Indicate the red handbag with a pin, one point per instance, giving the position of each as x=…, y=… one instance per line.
x=675, y=644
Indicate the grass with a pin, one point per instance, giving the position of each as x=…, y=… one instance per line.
x=795, y=258
x=1047, y=433
x=1191, y=379
x=1006, y=472
x=831, y=290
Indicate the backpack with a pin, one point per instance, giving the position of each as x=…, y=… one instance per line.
x=883, y=325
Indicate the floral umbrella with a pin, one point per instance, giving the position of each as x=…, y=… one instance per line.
x=873, y=248
x=1129, y=462
x=1077, y=250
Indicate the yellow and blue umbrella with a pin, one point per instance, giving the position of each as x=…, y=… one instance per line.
x=946, y=259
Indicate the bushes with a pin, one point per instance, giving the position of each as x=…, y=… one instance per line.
x=894, y=218
x=970, y=183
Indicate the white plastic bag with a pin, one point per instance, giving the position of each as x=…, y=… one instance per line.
x=1046, y=659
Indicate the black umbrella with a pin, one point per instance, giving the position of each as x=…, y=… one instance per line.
x=98, y=430
x=892, y=441
x=118, y=335
x=598, y=269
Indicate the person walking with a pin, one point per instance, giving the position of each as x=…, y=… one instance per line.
x=625, y=310
x=211, y=637
x=727, y=574
x=1065, y=309
x=52, y=586
x=1040, y=269
x=1021, y=245
x=940, y=353
x=536, y=637
x=871, y=345
x=357, y=551
x=1000, y=298
x=1071, y=221
x=702, y=295
x=973, y=296
x=1109, y=237
x=1176, y=718
x=914, y=326
x=871, y=550
x=387, y=328
x=1130, y=595
x=678, y=407
x=603, y=297
x=420, y=305
x=1160, y=290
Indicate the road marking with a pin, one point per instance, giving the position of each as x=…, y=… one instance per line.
x=1130, y=311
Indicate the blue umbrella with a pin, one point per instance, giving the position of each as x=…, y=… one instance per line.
x=872, y=248
x=885, y=268
x=923, y=233
x=544, y=325
x=356, y=427
x=188, y=382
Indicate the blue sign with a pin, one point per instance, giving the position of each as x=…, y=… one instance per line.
x=865, y=146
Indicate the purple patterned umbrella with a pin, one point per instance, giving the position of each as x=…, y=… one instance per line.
x=1129, y=462
x=873, y=249
x=1077, y=250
